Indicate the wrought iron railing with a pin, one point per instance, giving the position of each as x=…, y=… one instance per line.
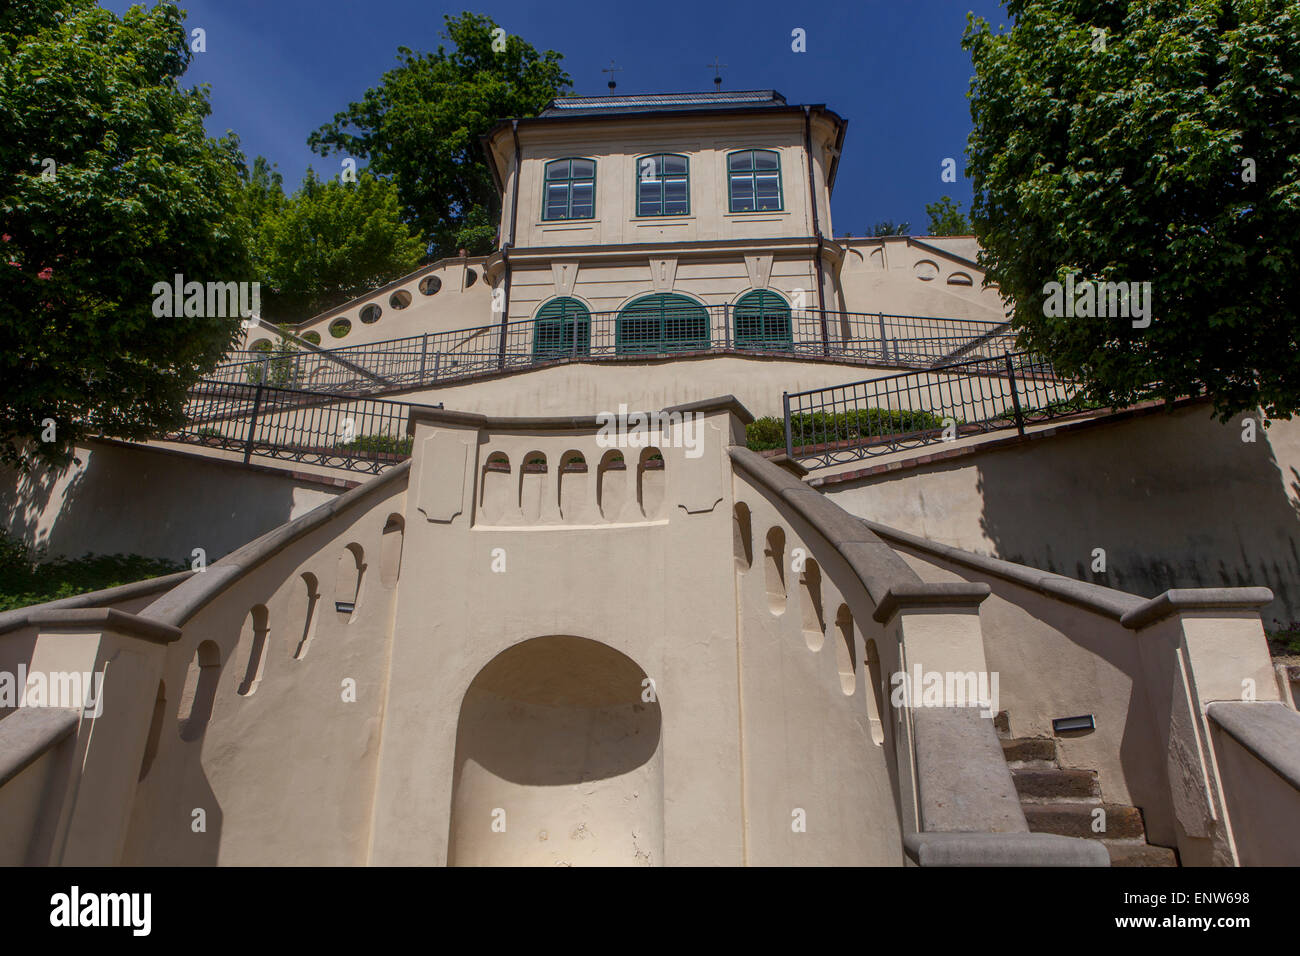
x=842, y=423
x=439, y=357
x=336, y=431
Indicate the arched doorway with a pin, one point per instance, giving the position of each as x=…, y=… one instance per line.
x=559, y=760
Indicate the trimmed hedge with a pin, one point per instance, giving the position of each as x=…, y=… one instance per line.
x=386, y=444
x=822, y=428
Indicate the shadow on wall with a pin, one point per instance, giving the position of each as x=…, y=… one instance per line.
x=134, y=500
x=1174, y=500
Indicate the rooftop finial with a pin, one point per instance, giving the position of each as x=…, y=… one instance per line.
x=611, y=71
x=717, y=69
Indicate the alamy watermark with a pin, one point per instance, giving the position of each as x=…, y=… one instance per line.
x=206, y=300
x=652, y=430
x=1091, y=298
x=923, y=688
x=70, y=689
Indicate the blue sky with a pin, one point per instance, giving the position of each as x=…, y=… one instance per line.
x=895, y=69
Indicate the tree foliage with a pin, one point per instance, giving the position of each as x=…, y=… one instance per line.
x=108, y=185
x=946, y=218
x=327, y=243
x=421, y=126
x=1147, y=141
x=890, y=228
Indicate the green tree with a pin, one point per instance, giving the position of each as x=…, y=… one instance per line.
x=1147, y=141
x=108, y=185
x=421, y=127
x=889, y=228
x=329, y=242
x=946, y=218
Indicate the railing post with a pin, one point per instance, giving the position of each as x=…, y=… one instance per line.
x=884, y=344
x=437, y=364
x=252, y=423
x=424, y=352
x=826, y=335
x=789, y=444
x=1015, y=396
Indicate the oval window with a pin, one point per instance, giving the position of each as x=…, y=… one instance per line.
x=340, y=328
x=312, y=337
x=430, y=285
x=370, y=314
x=400, y=299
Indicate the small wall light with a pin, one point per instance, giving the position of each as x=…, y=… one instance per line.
x=1066, y=724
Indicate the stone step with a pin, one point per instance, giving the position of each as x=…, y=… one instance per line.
x=1026, y=749
x=1056, y=784
x=1140, y=854
x=1075, y=820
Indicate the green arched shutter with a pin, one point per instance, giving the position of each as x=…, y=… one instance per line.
x=663, y=323
x=562, y=327
x=763, y=322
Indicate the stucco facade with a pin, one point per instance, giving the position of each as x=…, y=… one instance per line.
x=498, y=581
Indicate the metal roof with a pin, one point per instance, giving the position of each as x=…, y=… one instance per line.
x=659, y=102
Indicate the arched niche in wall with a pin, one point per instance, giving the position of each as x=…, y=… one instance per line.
x=959, y=278
x=155, y=730
x=351, y=571
x=255, y=636
x=532, y=485
x=310, y=597
x=846, y=652
x=743, y=536
x=814, y=618
x=199, y=691
x=879, y=695
x=650, y=482
x=494, y=488
x=611, y=485
x=774, y=568
x=926, y=269
x=557, y=733
x=572, y=490
x=390, y=551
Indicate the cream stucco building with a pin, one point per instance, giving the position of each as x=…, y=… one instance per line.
x=486, y=571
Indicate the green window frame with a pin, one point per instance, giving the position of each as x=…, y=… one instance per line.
x=664, y=322
x=562, y=328
x=569, y=189
x=762, y=321
x=754, y=181
x=663, y=185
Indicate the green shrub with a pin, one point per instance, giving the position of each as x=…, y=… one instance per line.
x=26, y=580
x=821, y=427
x=386, y=444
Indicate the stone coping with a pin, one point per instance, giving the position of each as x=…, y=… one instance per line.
x=1177, y=600
x=443, y=416
x=107, y=619
x=21, y=617
x=183, y=602
x=1094, y=597
x=1269, y=731
x=1003, y=849
x=1131, y=610
x=29, y=732
x=889, y=582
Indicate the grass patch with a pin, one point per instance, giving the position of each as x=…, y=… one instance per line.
x=25, y=579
